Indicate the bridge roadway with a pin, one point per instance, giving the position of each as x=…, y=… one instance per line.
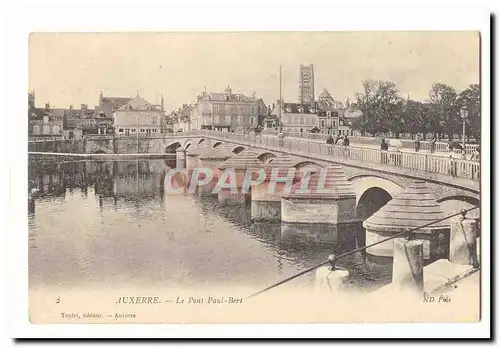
x=438, y=168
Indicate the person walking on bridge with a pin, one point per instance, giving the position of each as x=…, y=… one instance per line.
x=384, y=147
x=330, y=141
x=346, y=146
x=433, y=145
x=417, y=143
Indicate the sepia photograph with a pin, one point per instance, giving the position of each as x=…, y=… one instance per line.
x=255, y=177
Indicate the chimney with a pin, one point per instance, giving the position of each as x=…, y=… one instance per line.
x=47, y=106
x=71, y=107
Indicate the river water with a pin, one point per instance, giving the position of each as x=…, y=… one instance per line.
x=111, y=224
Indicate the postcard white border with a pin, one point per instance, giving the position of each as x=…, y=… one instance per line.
x=257, y=15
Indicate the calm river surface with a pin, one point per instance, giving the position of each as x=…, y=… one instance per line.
x=110, y=224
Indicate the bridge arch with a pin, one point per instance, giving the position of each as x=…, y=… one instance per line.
x=453, y=204
x=201, y=140
x=238, y=149
x=217, y=144
x=266, y=156
x=372, y=193
x=303, y=164
x=100, y=151
x=172, y=147
x=187, y=143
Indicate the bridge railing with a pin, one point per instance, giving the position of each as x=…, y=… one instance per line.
x=424, y=162
x=425, y=145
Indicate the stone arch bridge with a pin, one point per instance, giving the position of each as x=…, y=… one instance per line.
x=374, y=184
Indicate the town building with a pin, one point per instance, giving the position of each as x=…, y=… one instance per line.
x=295, y=118
x=138, y=116
x=43, y=121
x=226, y=111
x=108, y=105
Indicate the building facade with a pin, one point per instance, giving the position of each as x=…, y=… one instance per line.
x=295, y=118
x=227, y=111
x=46, y=126
x=138, y=116
x=306, y=84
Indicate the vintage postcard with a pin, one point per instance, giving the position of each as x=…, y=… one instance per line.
x=255, y=177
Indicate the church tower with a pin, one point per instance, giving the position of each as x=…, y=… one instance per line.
x=306, y=84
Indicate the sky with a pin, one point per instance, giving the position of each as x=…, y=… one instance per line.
x=72, y=68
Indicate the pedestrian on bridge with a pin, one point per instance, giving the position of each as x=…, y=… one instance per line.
x=384, y=147
x=417, y=143
x=433, y=145
x=330, y=141
x=346, y=146
x=281, y=136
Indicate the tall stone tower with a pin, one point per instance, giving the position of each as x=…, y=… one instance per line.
x=306, y=84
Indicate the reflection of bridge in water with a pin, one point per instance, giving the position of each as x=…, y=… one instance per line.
x=109, y=179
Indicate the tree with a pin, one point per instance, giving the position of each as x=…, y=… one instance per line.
x=412, y=117
x=471, y=97
x=380, y=106
x=444, y=108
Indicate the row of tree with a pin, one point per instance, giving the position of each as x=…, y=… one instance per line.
x=384, y=111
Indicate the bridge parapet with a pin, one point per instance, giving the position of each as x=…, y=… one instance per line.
x=425, y=145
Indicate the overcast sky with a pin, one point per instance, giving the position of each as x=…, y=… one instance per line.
x=72, y=68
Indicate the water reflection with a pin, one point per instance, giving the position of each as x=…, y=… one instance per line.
x=112, y=222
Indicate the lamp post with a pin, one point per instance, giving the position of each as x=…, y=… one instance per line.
x=464, y=112
x=213, y=121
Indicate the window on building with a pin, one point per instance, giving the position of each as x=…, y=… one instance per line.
x=127, y=131
x=133, y=130
x=251, y=120
x=154, y=119
x=252, y=109
x=36, y=129
x=216, y=109
x=154, y=130
x=301, y=130
x=335, y=123
x=142, y=130
x=120, y=130
x=322, y=123
x=228, y=119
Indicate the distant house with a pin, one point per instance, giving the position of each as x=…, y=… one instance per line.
x=227, y=111
x=108, y=105
x=43, y=122
x=138, y=116
x=294, y=117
